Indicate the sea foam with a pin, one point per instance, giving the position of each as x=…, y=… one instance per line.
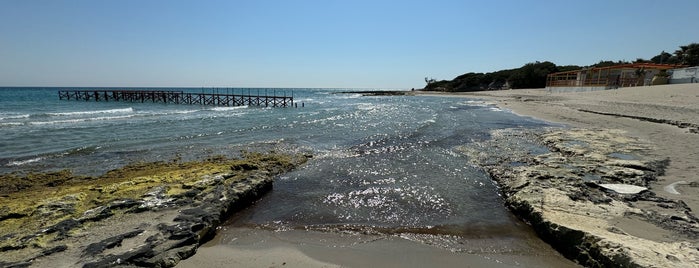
x=110, y=111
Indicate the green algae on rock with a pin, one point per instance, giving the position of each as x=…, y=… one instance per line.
x=144, y=214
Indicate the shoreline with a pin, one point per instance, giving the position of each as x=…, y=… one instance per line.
x=143, y=214
x=625, y=228
x=655, y=228
x=254, y=247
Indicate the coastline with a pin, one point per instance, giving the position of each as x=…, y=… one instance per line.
x=143, y=214
x=654, y=228
x=609, y=122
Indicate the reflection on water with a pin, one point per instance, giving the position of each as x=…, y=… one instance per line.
x=384, y=166
x=405, y=183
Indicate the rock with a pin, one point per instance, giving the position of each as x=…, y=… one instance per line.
x=570, y=193
x=53, y=250
x=99, y=247
x=148, y=214
x=623, y=188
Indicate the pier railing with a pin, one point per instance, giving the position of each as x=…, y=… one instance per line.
x=177, y=97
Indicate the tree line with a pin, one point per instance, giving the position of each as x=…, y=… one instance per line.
x=533, y=75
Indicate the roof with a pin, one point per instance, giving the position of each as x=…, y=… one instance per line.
x=626, y=66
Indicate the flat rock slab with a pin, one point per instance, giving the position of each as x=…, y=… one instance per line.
x=550, y=189
x=623, y=188
x=144, y=215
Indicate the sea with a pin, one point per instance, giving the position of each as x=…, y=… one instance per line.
x=382, y=165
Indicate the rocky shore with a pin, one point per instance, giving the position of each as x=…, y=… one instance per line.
x=148, y=214
x=619, y=188
x=580, y=188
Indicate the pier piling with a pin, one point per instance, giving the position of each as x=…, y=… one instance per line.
x=179, y=97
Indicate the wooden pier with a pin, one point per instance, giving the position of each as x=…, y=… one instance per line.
x=178, y=97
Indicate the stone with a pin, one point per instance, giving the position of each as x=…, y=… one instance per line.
x=623, y=188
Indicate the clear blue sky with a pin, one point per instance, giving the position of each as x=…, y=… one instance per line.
x=324, y=43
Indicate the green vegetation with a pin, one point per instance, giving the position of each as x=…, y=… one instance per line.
x=533, y=75
x=40, y=201
x=686, y=55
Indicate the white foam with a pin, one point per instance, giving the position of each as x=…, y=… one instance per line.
x=349, y=96
x=671, y=188
x=80, y=120
x=24, y=162
x=13, y=116
x=477, y=103
x=111, y=111
x=168, y=112
x=223, y=109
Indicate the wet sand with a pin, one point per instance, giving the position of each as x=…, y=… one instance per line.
x=246, y=247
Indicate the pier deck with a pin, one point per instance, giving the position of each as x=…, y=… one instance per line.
x=177, y=97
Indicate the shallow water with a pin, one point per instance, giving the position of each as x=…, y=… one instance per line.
x=385, y=165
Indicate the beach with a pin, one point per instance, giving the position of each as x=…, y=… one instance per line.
x=654, y=228
x=660, y=122
x=517, y=178
x=666, y=116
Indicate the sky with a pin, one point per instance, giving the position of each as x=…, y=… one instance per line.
x=324, y=43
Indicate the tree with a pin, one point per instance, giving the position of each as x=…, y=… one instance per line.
x=607, y=63
x=688, y=55
x=532, y=75
x=664, y=58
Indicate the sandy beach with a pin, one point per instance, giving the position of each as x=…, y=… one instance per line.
x=253, y=247
x=665, y=117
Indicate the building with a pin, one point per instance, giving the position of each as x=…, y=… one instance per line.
x=601, y=78
x=684, y=75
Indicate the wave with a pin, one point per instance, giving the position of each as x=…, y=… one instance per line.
x=24, y=162
x=349, y=96
x=68, y=121
x=84, y=150
x=223, y=109
x=182, y=112
x=111, y=111
x=13, y=116
x=13, y=124
x=477, y=103
x=171, y=112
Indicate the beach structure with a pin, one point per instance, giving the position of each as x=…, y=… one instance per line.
x=180, y=97
x=684, y=75
x=609, y=77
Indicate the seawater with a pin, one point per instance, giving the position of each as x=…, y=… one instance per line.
x=383, y=164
